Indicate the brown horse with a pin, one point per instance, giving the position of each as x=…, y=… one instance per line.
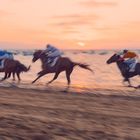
x=13, y=67
x=124, y=68
x=62, y=64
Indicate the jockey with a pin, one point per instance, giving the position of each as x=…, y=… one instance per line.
x=4, y=55
x=130, y=58
x=52, y=53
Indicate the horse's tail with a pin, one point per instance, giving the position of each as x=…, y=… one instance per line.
x=22, y=67
x=83, y=65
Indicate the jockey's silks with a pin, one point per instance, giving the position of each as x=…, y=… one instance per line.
x=130, y=55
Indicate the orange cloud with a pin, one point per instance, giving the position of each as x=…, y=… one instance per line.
x=94, y=3
x=72, y=25
x=74, y=20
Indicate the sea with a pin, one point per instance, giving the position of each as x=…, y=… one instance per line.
x=105, y=76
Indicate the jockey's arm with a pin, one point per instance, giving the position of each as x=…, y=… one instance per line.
x=50, y=49
x=54, y=53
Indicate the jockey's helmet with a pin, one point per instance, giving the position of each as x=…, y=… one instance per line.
x=48, y=46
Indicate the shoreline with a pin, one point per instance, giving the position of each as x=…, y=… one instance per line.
x=74, y=89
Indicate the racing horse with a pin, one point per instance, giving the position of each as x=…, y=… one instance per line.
x=62, y=64
x=124, y=68
x=13, y=67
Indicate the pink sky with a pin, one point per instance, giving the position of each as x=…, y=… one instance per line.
x=70, y=24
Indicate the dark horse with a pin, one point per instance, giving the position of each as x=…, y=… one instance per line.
x=62, y=64
x=13, y=67
x=124, y=68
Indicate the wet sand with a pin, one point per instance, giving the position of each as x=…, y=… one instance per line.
x=27, y=114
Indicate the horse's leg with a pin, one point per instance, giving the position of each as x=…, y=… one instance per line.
x=127, y=80
x=129, y=83
x=42, y=73
x=68, y=73
x=14, y=76
x=54, y=78
x=4, y=76
x=18, y=76
x=9, y=75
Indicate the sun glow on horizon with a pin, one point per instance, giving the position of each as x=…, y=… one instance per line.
x=99, y=23
x=82, y=44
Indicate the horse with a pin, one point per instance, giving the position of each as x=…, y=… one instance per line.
x=13, y=67
x=124, y=68
x=62, y=64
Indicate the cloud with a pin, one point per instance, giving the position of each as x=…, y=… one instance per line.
x=106, y=29
x=73, y=25
x=74, y=20
x=75, y=16
x=94, y=3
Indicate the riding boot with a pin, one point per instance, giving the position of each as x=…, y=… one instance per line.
x=54, y=62
x=2, y=64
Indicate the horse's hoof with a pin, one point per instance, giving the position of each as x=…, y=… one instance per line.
x=64, y=91
x=138, y=87
x=130, y=86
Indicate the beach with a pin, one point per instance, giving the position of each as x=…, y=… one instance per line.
x=96, y=107
x=70, y=70
x=50, y=114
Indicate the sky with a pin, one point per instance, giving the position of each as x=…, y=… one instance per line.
x=70, y=24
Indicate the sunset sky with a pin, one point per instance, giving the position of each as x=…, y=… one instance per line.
x=70, y=24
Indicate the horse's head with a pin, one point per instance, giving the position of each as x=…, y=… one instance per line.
x=113, y=59
x=36, y=55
